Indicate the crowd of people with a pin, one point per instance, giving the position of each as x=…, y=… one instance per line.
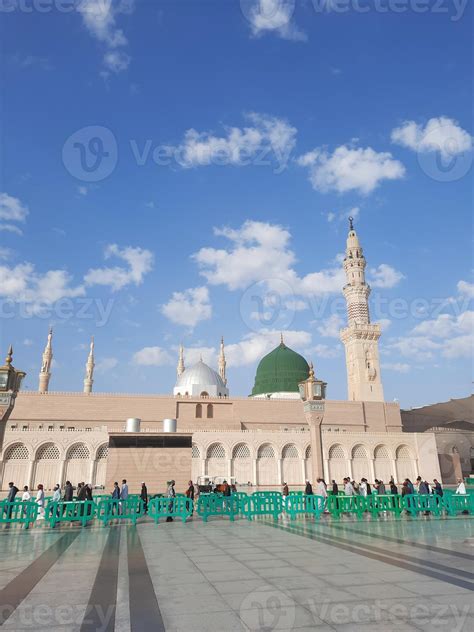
x=364, y=488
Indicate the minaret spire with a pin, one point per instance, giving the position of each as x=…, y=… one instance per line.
x=222, y=362
x=180, y=368
x=45, y=371
x=90, y=364
x=360, y=337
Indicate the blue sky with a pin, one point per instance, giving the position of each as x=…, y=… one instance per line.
x=238, y=138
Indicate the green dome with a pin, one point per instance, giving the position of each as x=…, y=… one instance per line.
x=280, y=372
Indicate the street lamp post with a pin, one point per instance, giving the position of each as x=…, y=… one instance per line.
x=313, y=394
x=10, y=383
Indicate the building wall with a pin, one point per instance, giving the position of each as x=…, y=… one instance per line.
x=264, y=457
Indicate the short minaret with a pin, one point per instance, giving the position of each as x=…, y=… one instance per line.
x=90, y=364
x=45, y=371
x=222, y=362
x=180, y=368
x=360, y=337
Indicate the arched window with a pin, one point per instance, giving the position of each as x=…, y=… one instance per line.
x=47, y=452
x=78, y=451
x=198, y=411
x=195, y=452
x=16, y=452
x=307, y=454
x=103, y=452
x=403, y=452
x=204, y=394
x=216, y=451
x=336, y=452
x=210, y=411
x=266, y=451
x=241, y=451
x=290, y=451
x=381, y=452
x=359, y=452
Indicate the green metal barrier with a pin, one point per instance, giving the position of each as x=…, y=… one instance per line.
x=338, y=505
x=297, y=504
x=112, y=509
x=378, y=504
x=270, y=494
x=213, y=505
x=239, y=495
x=421, y=503
x=455, y=504
x=179, y=507
x=82, y=511
x=18, y=512
x=262, y=505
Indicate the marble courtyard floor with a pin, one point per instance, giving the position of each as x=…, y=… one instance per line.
x=261, y=575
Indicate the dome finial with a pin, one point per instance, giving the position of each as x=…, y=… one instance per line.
x=8, y=359
x=282, y=342
x=351, y=223
x=311, y=371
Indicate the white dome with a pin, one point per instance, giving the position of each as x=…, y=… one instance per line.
x=198, y=379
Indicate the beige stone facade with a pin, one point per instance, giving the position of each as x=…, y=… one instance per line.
x=52, y=437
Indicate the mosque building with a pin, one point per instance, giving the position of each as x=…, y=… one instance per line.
x=277, y=434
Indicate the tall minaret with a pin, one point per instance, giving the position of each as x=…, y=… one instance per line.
x=222, y=362
x=180, y=368
x=45, y=371
x=360, y=337
x=90, y=364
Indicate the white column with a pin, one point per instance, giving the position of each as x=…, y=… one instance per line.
x=229, y=470
x=62, y=469
x=303, y=470
x=326, y=471
x=92, y=471
x=279, y=470
x=203, y=467
x=29, y=478
x=417, y=470
x=2, y=468
x=254, y=468
x=394, y=470
x=349, y=463
x=372, y=470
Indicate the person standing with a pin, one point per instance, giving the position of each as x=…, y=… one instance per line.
x=335, y=488
x=363, y=487
x=116, y=491
x=124, y=490
x=308, y=490
x=285, y=491
x=170, y=494
x=81, y=492
x=144, y=496
x=348, y=489
x=26, y=494
x=190, y=490
x=437, y=489
x=321, y=488
x=56, y=494
x=423, y=487
x=12, y=492
x=393, y=487
x=68, y=492
x=461, y=488
x=40, y=502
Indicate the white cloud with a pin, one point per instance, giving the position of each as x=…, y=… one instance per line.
x=100, y=19
x=28, y=342
x=324, y=351
x=259, y=252
x=82, y=190
x=443, y=135
x=152, y=356
x=332, y=326
x=384, y=323
x=399, y=367
x=273, y=16
x=350, y=169
x=194, y=354
x=22, y=284
x=466, y=289
x=139, y=260
x=188, y=308
x=11, y=210
x=448, y=335
x=106, y=364
x=384, y=276
x=267, y=138
x=255, y=345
